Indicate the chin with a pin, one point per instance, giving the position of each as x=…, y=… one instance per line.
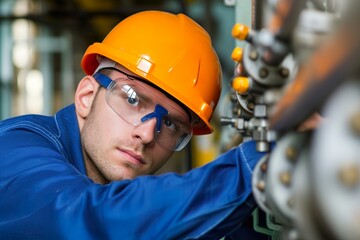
x=127, y=176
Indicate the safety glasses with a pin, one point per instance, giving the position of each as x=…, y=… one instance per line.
x=133, y=102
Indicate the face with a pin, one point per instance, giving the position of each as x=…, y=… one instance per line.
x=113, y=148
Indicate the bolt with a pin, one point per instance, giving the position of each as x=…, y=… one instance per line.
x=261, y=185
x=254, y=55
x=285, y=178
x=284, y=72
x=226, y=121
x=349, y=175
x=250, y=105
x=263, y=72
x=291, y=153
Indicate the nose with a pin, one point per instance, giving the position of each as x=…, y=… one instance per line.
x=145, y=131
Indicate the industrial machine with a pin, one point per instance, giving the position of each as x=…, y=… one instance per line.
x=299, y=64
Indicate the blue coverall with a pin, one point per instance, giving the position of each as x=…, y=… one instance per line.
x=45, y=193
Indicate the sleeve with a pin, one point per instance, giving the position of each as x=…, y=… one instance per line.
x=44, y=197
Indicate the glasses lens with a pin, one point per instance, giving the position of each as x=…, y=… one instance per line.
x=132, y=102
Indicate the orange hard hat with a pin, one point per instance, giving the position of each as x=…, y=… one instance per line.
x=171, y=51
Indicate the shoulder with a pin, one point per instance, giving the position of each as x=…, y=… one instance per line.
x=29, y=131
x=28, y=123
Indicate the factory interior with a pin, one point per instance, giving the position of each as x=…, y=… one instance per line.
x=282, y=61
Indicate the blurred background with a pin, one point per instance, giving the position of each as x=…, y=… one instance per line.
x=300, y=57
x=42, y=43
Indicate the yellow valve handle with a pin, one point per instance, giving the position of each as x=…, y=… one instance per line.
x=237, y=54
x=240, y=31
x=241, y=84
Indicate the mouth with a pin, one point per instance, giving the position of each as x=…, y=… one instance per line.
x=132, y=157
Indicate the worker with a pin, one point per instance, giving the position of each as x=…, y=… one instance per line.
x=88, y=171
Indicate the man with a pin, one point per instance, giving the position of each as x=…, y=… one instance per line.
x=85, y=173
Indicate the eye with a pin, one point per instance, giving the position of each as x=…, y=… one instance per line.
x=131, y=95
x=169, y=124
x=133, y=101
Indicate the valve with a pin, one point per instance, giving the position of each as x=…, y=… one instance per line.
x=241, y=84
x=240, y=31
x=237, y=54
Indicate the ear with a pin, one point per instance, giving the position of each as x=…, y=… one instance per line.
x=85, y=95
